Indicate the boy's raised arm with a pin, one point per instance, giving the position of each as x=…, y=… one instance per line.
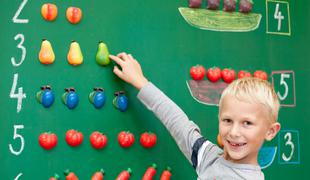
x=184, y=131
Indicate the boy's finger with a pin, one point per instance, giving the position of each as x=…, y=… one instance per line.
x=118, y=60
x=130, y=57
x=118, y=72
x=123, y=56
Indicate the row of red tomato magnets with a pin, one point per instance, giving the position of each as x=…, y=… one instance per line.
x=228, y=75
x=48, y=140
x=124, y=175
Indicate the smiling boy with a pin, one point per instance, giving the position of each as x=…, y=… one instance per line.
x=248, y=112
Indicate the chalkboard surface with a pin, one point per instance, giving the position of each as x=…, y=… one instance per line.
x=166, y=43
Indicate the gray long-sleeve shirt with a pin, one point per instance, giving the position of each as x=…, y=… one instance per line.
x=206, y=157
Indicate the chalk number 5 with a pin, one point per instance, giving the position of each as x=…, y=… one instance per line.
x=283, y=83
x=20, y=137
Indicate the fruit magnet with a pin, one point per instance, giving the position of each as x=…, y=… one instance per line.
x=166, y=174
x=228, y=75
x=219, y=141
x=49, y=11
x=70, y=175
x=214, y=74
x=70, y=98
x=75, y=56
x=150, y=172
x=197, y=72
x=102, y=55
x=55, y=177
x=124, y=175
x=120, y=101
x=46, y=96
x=229, y=5
x=74, y=15
x=74, y=137
x=97, y=97
x=213, y=4
x=48, y=140
x=194, y=3
x=261, y=74
x=46, y=54
x=245, y=6
x=148, y=139
x=98, y=140
x=98, y=175
x=244, y=74
x=125, y=139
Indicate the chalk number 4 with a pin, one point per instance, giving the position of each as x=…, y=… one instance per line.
x=278, y=15
x=19, y=96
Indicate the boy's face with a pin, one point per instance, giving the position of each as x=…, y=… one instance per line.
x=243, y=128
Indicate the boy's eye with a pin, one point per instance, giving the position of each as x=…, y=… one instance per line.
x=247, y=123
x=227, y=120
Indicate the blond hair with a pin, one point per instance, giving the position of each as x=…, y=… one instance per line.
x=254, y=90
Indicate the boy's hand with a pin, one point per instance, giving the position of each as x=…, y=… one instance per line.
x=131, y=71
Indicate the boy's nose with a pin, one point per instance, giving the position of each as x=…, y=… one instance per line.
x=234, y=131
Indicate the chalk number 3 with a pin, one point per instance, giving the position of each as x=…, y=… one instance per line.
x=23, y=49
x=288, y=138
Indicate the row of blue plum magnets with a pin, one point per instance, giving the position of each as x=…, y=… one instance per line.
x=71, y=99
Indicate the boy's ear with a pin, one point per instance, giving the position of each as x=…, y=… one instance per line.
x=273, y=130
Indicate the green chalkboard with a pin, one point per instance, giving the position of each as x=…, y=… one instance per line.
x=167, y=42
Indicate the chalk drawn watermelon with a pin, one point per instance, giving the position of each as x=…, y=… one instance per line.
x=220, y=20
x=206, y=92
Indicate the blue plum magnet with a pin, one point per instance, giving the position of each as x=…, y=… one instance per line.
x=46, y=96
x=70, y=98
x=120, y=101
x=97, y=97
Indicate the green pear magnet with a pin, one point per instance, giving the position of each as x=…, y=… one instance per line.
x=102, y=56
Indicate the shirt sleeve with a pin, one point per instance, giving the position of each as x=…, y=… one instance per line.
x=184, y=131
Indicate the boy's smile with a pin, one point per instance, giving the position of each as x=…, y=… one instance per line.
x=243, y=127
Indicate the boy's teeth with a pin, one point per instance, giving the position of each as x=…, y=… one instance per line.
x=237, y=144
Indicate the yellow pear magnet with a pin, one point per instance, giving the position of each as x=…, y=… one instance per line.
x=46, y=54
x=75, y=56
